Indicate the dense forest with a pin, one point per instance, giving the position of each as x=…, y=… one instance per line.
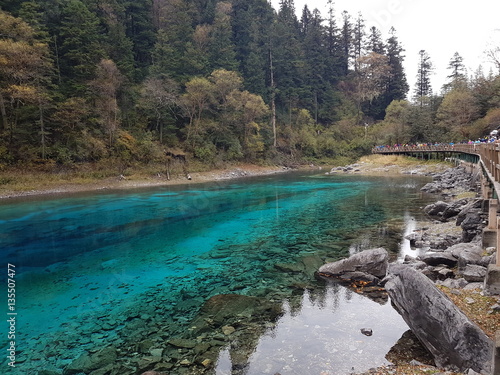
x=235, y=80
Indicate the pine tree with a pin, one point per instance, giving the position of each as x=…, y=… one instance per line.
x=375, y=43
x=80, y=49
x=222, y=49
x=358, y=39
x=288, y=58
x=345, y=43
x=305, y=21
x=334, y=46
x=458, y=74
x=118, y=45
x=396, y=85
x=252, y=20
x=174, y=34
x=316, y=62
x=423, y=86
x=139, y=28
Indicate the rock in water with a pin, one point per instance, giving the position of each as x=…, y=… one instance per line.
x=87, y=363
x=225, y=309
x=373, y=262
x=367, y=331
x=454, y=341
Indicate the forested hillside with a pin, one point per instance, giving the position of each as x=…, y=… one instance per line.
x=107, y=80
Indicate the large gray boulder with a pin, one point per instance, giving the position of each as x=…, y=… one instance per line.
x=436, y=259
x=436, y=209
x=455, y=342
x=373, y=262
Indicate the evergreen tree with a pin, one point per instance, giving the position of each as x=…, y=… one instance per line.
x=305, y=21
x=32, y=13
x=251, y=29
x=80, y=47
x=174, y=36
x=396, y=85
x=222, y=49
x=423, y=86
x=139, y=28
x=288, y=58
x=358, y=39
x=458, y=74
x=333, y=45
x=118, y=45
x=375, y=43
x=345, y=42
x=316, y=62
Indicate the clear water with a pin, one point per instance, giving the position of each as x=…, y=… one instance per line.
x=88, y=265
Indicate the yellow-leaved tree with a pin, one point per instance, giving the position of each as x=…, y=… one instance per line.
x=25, y=66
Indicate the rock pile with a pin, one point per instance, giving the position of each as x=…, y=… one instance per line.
x=451, y=182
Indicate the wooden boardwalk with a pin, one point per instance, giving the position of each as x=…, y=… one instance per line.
x=486, y=154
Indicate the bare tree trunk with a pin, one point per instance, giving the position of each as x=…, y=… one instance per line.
x=13, y=124
x=42, y=128
x=57, y=60
x=273, y=99
x=5, y=122
x=316, y=107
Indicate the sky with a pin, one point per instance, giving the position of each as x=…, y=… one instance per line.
x=440, y=27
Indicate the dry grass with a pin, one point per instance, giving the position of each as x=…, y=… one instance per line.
x=407, y=370
x=466, y=194
x=398, y=160
x=478, y=308
x=399, y=164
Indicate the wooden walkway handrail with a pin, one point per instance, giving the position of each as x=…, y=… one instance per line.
x=488, y=153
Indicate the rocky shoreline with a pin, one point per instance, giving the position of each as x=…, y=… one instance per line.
x=450, y=256
x=121, y=182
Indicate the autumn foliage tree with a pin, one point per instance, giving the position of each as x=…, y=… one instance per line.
x=105, y=88
x=25, y=65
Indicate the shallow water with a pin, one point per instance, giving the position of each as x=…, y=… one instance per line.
x=100, y=269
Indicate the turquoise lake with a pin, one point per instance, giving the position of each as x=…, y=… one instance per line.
x=132, y=269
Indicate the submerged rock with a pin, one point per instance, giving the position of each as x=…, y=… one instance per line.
x=225, y=309
x=182, y=343
x=367, y=331
x=87, y=363
x=455, y=342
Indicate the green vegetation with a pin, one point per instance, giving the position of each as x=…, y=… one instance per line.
x=119, y=82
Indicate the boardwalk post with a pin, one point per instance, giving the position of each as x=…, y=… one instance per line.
x=498, y=242
x=486, y=190
x=492, y=279
x=492, y=214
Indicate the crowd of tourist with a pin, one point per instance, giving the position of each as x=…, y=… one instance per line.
x=493, y=137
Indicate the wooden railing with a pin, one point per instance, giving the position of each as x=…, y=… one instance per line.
x=489, y=154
